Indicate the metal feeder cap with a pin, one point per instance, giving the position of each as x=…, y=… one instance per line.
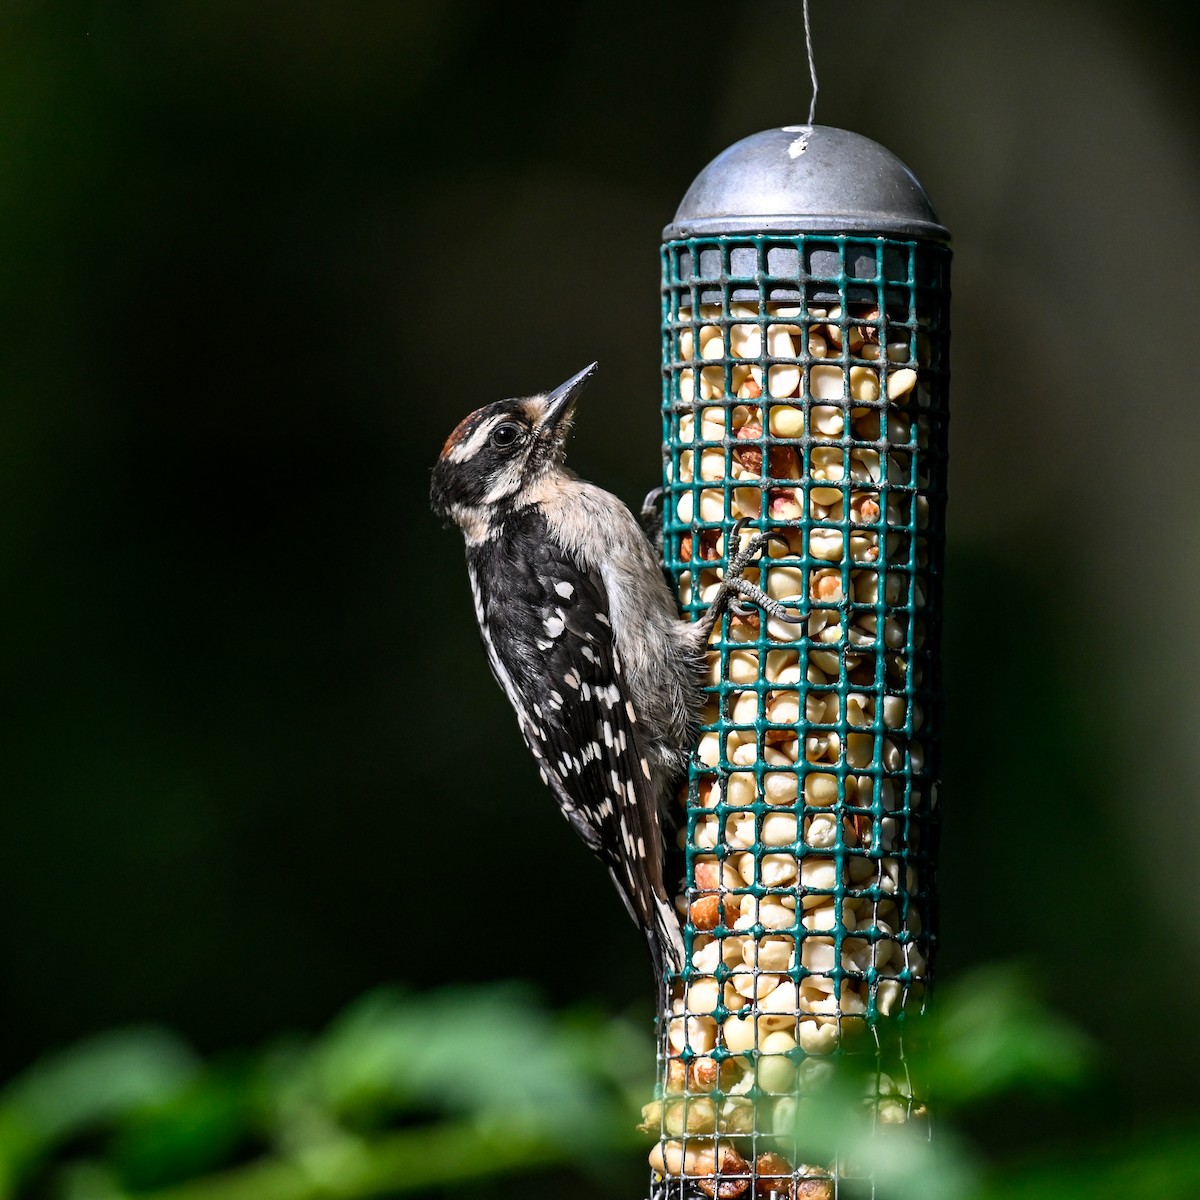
x=802, y=179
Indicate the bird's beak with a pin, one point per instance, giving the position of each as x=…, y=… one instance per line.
x=560, y=404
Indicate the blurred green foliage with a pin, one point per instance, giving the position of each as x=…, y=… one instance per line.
x=401, y=1092
x=408, y=1093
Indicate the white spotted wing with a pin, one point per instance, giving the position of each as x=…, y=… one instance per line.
x=545, y=625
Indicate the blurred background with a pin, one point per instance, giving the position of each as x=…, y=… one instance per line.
x=260, y=257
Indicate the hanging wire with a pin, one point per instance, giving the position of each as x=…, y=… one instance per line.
x=812, y=63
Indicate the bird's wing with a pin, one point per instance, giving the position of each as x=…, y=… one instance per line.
x=550, y=644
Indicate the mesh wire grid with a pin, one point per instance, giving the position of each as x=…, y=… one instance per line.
x=805, y=392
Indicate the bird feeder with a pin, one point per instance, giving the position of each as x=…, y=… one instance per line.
x=805, y=375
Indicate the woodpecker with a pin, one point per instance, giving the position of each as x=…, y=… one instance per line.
x=584, y=636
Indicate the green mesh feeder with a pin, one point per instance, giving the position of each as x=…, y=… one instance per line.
x=805, y=374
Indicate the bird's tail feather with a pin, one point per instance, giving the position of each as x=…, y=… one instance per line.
x=665, y=938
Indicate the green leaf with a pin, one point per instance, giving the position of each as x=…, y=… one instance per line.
x=1159, y=1166
x=835, y=1122
x=80, y=1088
x=493, y=1053
x=99, y=1079
x=990, y=1034
x=194, y=1131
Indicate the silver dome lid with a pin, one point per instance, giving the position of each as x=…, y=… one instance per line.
x=806, y=179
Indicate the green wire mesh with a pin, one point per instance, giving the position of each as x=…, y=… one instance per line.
x=805, y=392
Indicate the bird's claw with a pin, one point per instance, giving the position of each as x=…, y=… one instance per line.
x=652, y=503
x=741, y=559
x=738, y=609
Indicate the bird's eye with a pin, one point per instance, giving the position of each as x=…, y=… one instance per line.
x=506, y=435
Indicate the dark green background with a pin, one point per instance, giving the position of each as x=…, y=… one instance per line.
x=258, y=258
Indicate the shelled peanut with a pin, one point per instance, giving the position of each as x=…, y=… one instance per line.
x=817, y=759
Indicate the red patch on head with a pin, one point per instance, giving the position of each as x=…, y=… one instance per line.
x=458, y=433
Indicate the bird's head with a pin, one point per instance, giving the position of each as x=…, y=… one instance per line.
x=497, y=458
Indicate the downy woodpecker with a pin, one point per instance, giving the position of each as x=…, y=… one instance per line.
x=584, y=636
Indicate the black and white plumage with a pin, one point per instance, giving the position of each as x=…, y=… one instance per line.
x=583, y=635
x=546, y=625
